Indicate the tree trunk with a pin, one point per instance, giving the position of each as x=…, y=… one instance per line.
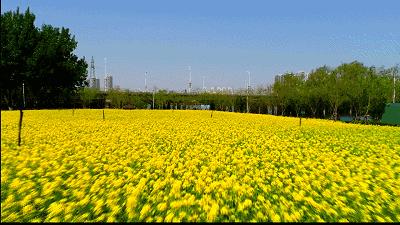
x=335, y=109
x=7, y=102
x=313, y=111
x=369, y=103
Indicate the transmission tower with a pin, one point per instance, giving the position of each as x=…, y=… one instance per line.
x=248, y=90
x=93, y=83
x=92, y=72
x=145, y=81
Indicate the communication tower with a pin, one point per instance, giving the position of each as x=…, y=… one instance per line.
x=93, y=82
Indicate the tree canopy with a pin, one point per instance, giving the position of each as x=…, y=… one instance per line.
x=349, y=89
x=38, y=62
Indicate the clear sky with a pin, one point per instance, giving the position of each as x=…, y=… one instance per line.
x=222, y=39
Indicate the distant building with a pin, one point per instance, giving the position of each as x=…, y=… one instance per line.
x=278, y=78
x=108, y=83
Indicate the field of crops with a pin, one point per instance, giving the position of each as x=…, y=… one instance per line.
x=144, y=165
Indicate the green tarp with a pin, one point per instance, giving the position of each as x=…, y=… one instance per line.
x=346, y=119
x=391, y=114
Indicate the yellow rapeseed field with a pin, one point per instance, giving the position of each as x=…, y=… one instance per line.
x=172, y=165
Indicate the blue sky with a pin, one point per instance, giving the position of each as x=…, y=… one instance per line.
x=221, y=40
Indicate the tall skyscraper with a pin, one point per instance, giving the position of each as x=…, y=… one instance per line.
x=108, y=83
x=108, y=80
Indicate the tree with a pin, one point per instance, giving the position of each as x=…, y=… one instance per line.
x=88, y=95
x=56, y=72
x=18, y=41
x=289, y=92
x=316, y=89
x=280, y=94
x=41, y=59
x=354, y=83
x=296, y=91
x=336, y=94
x=378, y=88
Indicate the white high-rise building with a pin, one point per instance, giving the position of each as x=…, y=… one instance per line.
x=108, y=83
x=108, y=79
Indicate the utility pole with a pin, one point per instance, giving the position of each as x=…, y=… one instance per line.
x=105, y=73
x=247, y=96
x=249, y=78
x=190, y=79
x=248, y=90
x=203, y=84
x=145, y=82
x=23, y=93
x=247, y=102
x=394, y=87
x=154, y=90
x=105, y=66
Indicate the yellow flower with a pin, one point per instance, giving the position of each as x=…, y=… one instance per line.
x=162, y=206
x=260, y=198
x=276, y=218
x=247, y=203
x=224, y=211
x=193, y=167
x=260, y=216
x=131, y=204
x=146, y=208
x=176, y=220
x=380, y=219
x=159, y=219
x=35, y=220
x=27, y=209
x=213, y=212
x=182, y=215
x=169, y=217
x=111, y=219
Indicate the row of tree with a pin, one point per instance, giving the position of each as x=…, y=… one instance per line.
x=349, y=89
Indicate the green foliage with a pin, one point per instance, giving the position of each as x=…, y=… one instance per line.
x=40, y=58
x=88, y=96
x=350, y=89
x=316, y=90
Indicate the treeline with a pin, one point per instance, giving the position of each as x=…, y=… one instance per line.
x=350, y=89
x=92, y=98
